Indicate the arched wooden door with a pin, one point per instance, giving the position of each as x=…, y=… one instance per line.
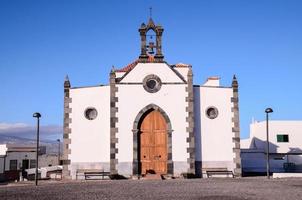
x=153, y=144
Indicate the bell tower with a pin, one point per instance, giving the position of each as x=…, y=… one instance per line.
x=147, y=49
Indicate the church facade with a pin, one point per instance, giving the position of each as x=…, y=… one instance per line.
x=151, y=118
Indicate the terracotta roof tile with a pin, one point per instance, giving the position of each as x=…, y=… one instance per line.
x=128, y=67
x=213, y=78
x=182, y=65
x=151, y=58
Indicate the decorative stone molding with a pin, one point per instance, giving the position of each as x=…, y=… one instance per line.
x=135, y=164
x=212, y=112
x=236, y=128
x=152, y=83
x=113, y=121
x=66, y=130
x=190, y=121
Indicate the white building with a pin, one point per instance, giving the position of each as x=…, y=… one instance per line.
x=14, y=158
x=285, y=147
x=150, y=118
x=3, y=150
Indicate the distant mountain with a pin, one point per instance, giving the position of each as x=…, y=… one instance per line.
x=51, y=145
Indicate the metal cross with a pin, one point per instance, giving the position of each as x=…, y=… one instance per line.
x=150, y=12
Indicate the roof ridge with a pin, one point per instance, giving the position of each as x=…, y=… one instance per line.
x=182, y=65
x=128, y=67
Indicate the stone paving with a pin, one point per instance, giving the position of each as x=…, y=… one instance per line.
x=208, y=189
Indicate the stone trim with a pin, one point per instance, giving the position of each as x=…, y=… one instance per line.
x=66, y=130
x=113, y=121
x=236, y=129
x=190, y=120
x=154, y=78
x=135, y=166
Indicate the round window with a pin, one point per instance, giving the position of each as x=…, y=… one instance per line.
x=152, y=83
x=91, y=113
x=212, y=112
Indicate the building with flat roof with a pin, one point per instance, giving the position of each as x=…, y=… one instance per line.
x=285, y=147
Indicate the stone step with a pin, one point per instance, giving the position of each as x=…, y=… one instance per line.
x=152, y=177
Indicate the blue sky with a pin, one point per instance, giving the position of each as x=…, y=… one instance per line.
x=42, y=41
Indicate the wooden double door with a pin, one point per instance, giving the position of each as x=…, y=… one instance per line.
x=153, y=144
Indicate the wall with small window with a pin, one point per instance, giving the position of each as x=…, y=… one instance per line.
x=282, y=138
x=213, y=126
x=15, y=160
x=90, y=128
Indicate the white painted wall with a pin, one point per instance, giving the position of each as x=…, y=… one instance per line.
x=133, y=98
x=162, y=70
x=90, y=139
x=254, y=148
x=19, y=156
x=216, y=145
x=3, y=149
x=183, y=71
x=119, y=74
x=212, y=81
x=291, y=128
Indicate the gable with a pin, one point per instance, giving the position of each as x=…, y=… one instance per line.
x=166, y=73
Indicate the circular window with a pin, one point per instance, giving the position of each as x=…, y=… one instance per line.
x=91, y=113
x=212, y=112
x=152, y=83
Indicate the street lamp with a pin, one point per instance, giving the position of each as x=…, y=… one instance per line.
x=58, y=140
x=37, y=115
x=267, y=111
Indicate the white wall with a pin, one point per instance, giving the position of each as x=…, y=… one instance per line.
x=133, y=98
x=183, y=71
x=291, y=128
x=90, y=139
x=162, y=70
x=216, y=134
x=3, y=149
x=19, y=156
x=254, y=148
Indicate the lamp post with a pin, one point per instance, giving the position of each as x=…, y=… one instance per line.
x=58, y=140
x=267, y=111
x=37, y=115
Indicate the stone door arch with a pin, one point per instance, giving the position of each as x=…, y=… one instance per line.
x=136, y=131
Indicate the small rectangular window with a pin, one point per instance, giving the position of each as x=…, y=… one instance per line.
x=32, y=164
x=13, y=164
x=279, y=158
x=282, y=138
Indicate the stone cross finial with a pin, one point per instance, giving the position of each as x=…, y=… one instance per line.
x=234, y=82
x=66, y=82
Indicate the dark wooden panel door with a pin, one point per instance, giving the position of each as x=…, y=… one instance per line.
x=153, y=144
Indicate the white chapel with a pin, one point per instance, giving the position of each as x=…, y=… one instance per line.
x=151, y=118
